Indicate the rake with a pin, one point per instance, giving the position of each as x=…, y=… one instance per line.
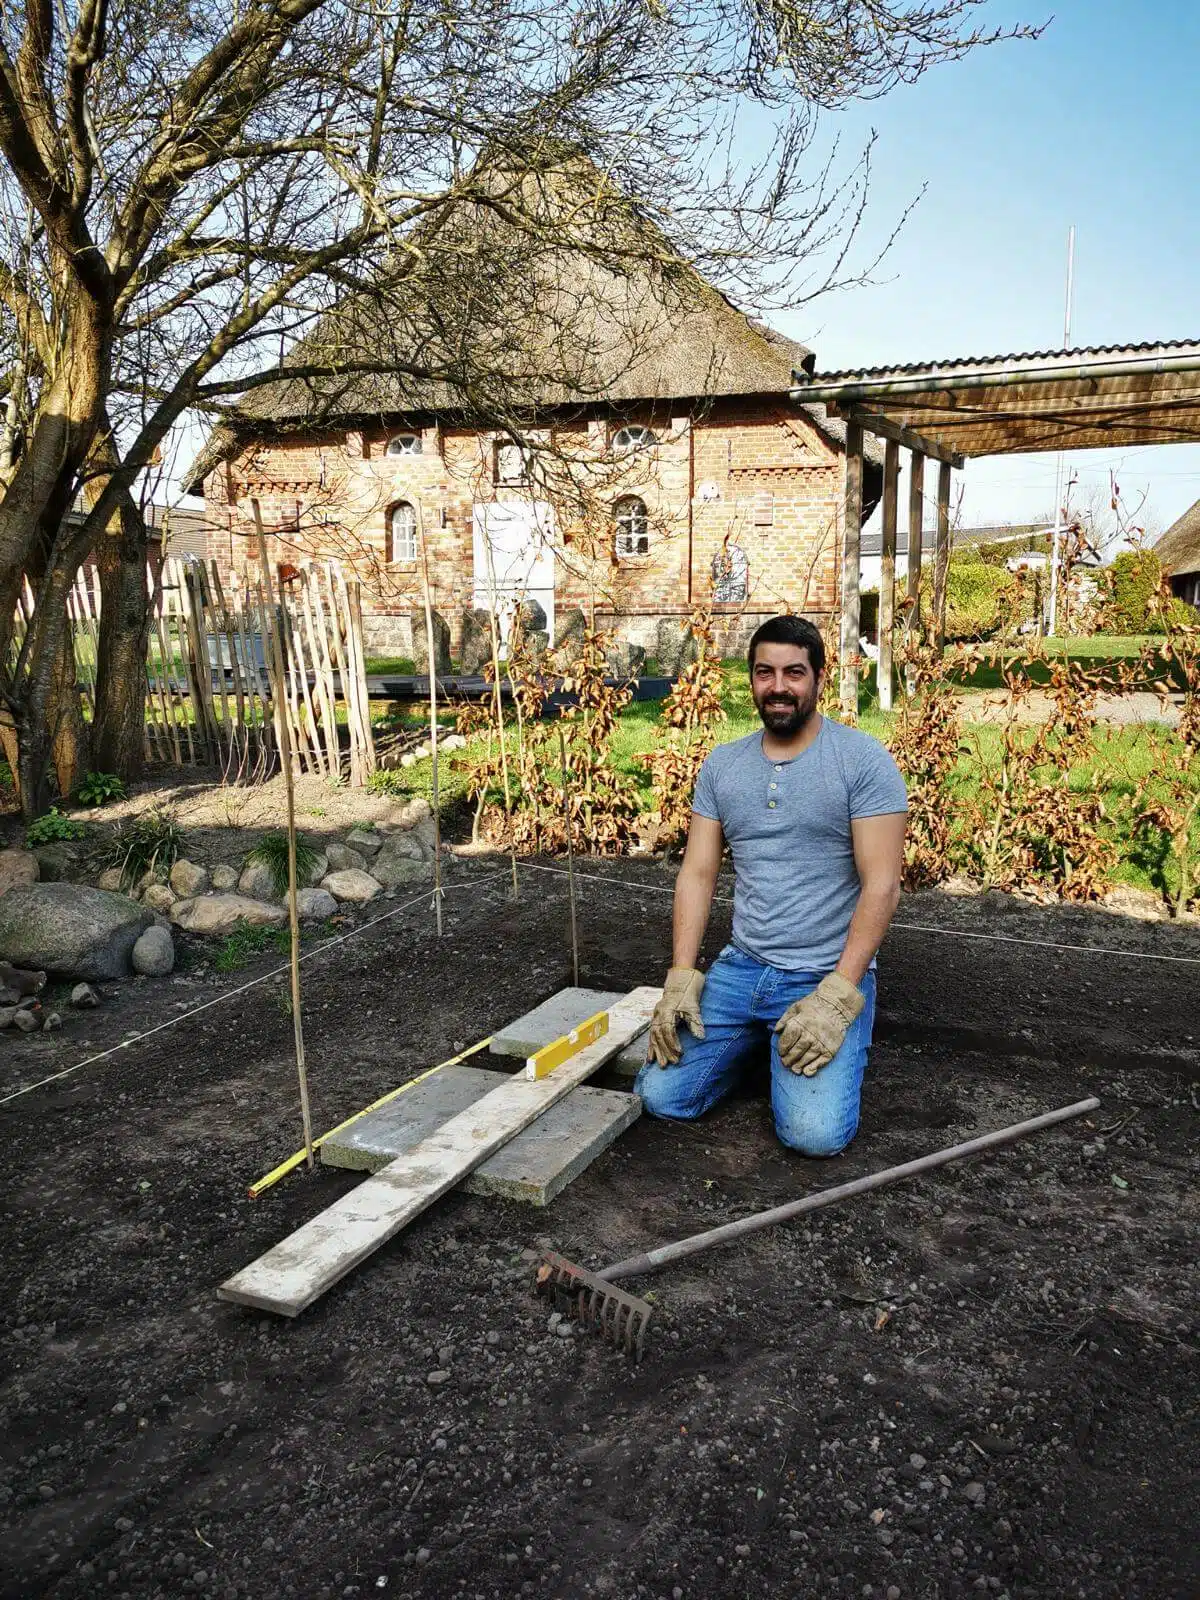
x=593, y=1300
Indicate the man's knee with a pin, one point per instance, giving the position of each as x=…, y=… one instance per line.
x=663, y=1093
x=816, y=1142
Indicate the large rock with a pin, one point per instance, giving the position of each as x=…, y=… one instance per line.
x=1138, y=903
x=365, y=840
x=18, y=868
x=154, y=953
x=188, y=879
x=224, y=879
x=476, y=649
x=674, y=647
x=532, y=615
x=395, y=871
x=342, y=859
x=314, y=904
x=220, y=914
x=160, y=897
x=353, y=886
x=569, y=632
x=258, y=882
x=441, y=642
x=318, y=869
x=623, y=660
x=71, y=930
x=58, y=861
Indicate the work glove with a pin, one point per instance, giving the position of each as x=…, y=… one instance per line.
x=811, y=1031
x=680, y=1003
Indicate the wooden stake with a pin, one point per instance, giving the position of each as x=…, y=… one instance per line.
x=562, y=750
x=433, y=725
x=887, y=576
x=851, y=543
x=285, y=760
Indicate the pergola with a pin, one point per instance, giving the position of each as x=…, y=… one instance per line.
x=951, y=411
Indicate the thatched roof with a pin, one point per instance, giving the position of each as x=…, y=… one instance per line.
x=522, y=322
x=1179, y=548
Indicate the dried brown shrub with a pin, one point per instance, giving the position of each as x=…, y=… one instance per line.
x=690, y=716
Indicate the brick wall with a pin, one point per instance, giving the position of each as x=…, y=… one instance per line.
x=747, y=472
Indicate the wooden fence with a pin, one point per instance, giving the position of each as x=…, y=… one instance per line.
x=208, y=686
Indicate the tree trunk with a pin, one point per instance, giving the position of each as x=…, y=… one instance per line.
x=118, y=733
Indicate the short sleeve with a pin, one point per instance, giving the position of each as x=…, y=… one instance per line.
x=704, y=801
x=878, y=788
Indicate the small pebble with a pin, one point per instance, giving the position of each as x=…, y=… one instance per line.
x=437, y=1378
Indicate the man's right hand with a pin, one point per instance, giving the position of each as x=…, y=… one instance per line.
x=680, y=1003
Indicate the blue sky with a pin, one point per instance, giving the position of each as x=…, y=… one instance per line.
x=1096, y=124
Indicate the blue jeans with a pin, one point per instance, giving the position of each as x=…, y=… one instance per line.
x=743, y=999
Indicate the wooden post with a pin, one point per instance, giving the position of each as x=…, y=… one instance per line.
x=916, y=529
x=941, y=563
x=887, y=574
x=851, y=539
x=562, y=751
x=285, y=761
x=495, y=632
x=433, y=727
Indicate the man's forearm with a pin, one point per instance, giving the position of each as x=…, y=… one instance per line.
x=875, y=909
x=693, y=902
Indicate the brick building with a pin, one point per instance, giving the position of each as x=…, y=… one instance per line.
x=692, y=477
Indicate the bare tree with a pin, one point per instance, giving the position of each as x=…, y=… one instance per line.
x=189, y=190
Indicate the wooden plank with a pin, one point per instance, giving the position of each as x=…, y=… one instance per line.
x=851, y=543
x=299, y=1270
x=887, y=575
x=552, y=1055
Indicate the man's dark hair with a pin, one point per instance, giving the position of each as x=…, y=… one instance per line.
x=790, y=630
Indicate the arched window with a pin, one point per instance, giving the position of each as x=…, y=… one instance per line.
x=405, y=444
x=633, y=527
x=633, y=438
x=402, y=532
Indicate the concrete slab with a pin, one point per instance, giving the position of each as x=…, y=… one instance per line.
x=549, y=1021
x=533, y=1167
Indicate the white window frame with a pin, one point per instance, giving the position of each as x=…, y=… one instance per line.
x=405, y=444
x=408, y=556
x=633, y=437
x=632, y=537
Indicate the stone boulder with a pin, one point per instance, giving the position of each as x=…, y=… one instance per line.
x=315, y=904
x=395, y=870
x=342, y=859
x=441, y=642
x=1140, y=904
x=18, y=868
x=71, y=930
x=623, y=660
x=415, y=811
x=224, y=879
x=154, y=953
x=365, y=840
x=352, y=885
x=220, y=914
x=319, y=868
x=533, y=615
x=568, y=635
x=58, y=861
x=674, y=647
x=188, y=879
x=476, y=649
x=160, y=897
x=257, y=881
x=111, y=879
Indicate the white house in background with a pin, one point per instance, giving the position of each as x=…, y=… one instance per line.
x=1020, y=535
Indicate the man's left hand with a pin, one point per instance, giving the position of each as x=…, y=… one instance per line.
x=811, y=1031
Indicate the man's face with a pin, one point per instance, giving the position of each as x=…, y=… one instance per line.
x=785, y=687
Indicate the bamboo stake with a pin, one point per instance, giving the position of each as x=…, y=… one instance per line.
x=433, y=725
x=562, y=750
x=315, y=611
x=495, y=632
x=289, y=786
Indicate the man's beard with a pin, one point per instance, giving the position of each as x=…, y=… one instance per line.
x=785, y=715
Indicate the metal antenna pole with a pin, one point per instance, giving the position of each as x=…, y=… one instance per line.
x=1058, y=470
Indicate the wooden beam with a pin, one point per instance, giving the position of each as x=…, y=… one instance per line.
x=916, y=527
x=298, y=1271
x=851, y=542
x=897, y=433
x=887, y=574
x=941, y=563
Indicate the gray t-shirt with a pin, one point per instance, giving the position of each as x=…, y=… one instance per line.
x=787, y=824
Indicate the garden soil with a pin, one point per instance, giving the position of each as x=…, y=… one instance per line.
x=980, y=1382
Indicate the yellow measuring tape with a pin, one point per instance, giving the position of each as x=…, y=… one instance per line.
x=293, y=1162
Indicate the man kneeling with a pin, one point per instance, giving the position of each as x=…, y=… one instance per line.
x=813, y=813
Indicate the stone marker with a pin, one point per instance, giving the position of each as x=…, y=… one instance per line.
x=533, y=1167
x=558, y=1015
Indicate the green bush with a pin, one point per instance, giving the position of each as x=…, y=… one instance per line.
x=1132, y=583
x=98, y=788
x=145, y=844
x=272, y=852
x=52, y=827
x=981, y=600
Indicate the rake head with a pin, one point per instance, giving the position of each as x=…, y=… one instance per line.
x=619, y=1318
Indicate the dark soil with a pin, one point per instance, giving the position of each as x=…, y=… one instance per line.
x=978, y=1382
